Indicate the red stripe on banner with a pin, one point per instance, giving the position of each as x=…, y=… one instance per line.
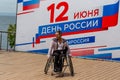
x=41, y=37
x=37, y=40
x=68, y=33
x=31, y=6
x=25, y=12
x=89, y=47
x=109, y=21
x=82, y=52
x=33, y=44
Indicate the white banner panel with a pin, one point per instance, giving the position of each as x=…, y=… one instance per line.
x=91, y=27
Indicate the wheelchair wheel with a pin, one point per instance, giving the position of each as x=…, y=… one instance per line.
x=48, y=63
x=70, y=65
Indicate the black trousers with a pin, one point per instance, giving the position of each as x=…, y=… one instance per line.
x=58, y=63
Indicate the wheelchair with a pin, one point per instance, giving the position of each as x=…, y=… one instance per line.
x=66, y=62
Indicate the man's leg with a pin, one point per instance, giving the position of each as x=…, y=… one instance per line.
x=56, y=62
x=61, y=60
x=60, y=63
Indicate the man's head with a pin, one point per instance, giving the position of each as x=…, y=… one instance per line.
x=58, y=34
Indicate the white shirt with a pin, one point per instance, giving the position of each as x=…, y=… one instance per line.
x=60, y=46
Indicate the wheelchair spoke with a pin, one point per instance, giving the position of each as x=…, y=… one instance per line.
x=70, y=65
x=47, y=66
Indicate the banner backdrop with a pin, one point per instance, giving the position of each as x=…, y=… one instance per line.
x=91, y=27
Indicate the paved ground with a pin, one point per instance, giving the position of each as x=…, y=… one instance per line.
x=27, y=66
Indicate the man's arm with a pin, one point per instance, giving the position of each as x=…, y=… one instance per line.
x=50, y=51
x=68, y=48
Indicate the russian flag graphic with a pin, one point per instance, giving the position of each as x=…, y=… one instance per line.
x=110, y=15
x=29, y=4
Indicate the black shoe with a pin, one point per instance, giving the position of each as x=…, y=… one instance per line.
x=55, y=70
x=59, y=70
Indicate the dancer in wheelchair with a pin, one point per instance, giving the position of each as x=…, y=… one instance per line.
x=58, y=48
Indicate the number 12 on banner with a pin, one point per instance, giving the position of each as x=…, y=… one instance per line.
x=61, y=16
